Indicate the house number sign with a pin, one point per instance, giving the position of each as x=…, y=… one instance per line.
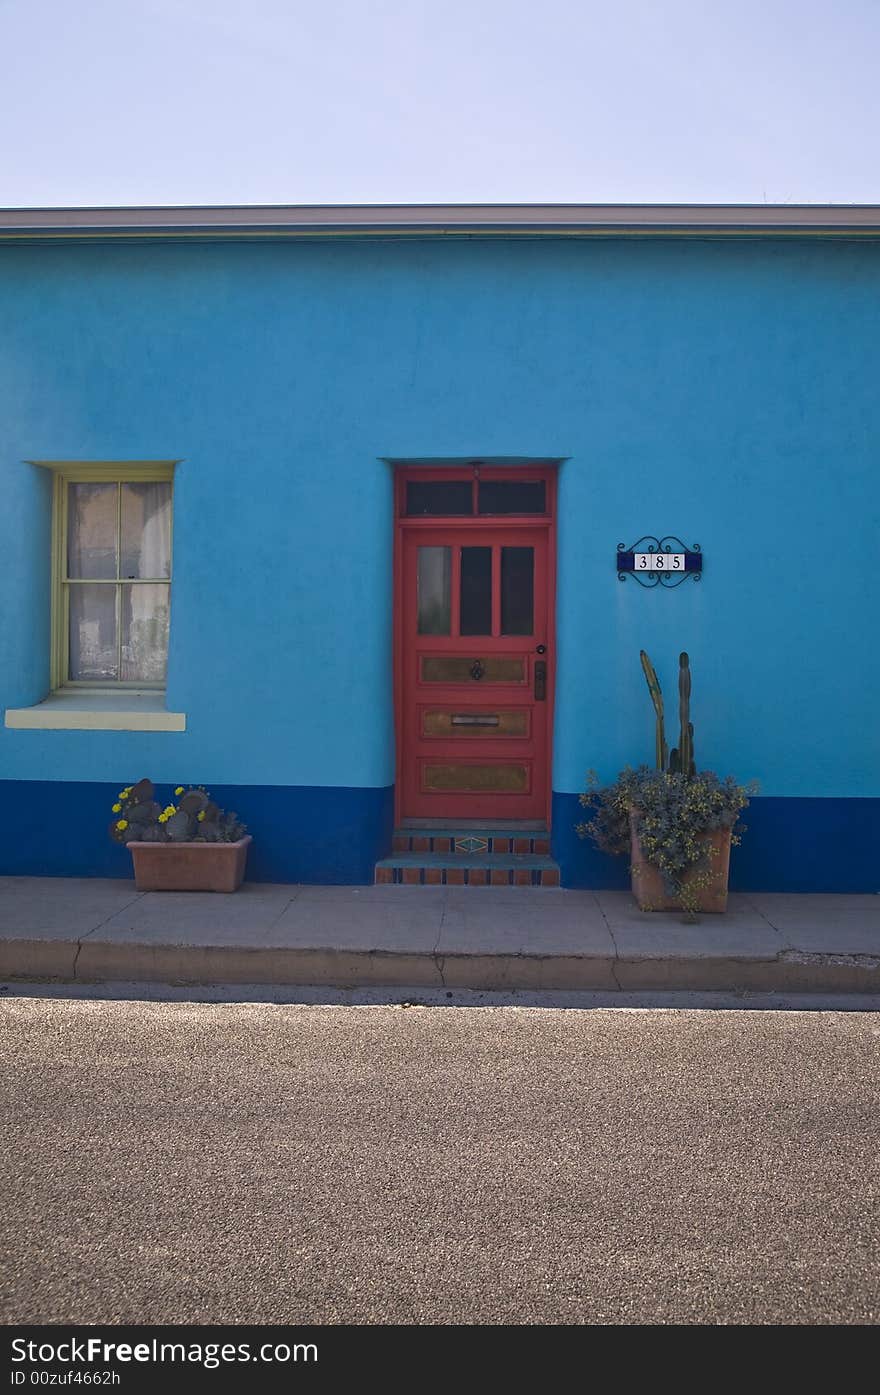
x=663, y=561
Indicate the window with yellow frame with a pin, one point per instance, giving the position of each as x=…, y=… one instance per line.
x=111, y=575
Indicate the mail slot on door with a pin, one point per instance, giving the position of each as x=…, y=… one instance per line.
x=540, y=680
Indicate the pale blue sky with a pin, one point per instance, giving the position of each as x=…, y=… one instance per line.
x=378, y=101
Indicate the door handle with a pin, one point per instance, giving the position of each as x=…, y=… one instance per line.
x=540, y=649
x=540, y=680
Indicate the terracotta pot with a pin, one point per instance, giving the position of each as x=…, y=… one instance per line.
x=647, y=881
x=189, y=866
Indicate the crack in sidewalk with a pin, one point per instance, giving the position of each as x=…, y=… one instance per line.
x=285, y=908
x=616, y=960
x=785, y=942
x=440, y=959
x=138, y=896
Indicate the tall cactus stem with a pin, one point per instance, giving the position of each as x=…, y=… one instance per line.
x=657, y=699
x=686, y=733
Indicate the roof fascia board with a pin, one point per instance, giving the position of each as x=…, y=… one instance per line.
x=439, y=219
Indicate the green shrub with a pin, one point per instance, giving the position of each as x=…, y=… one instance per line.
x=672, y=810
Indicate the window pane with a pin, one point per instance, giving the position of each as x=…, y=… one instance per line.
x=144, y=633
x=146, y=529
x=438, y=497
x=435, y=607
x=476, y=591
x=517, y=590
x=93, y=633
x=512, y=496
x=91, y=531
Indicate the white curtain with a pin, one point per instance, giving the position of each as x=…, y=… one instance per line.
x=124, y=537
x=145, y=552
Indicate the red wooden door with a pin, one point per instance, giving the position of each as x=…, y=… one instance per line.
x=474, y=693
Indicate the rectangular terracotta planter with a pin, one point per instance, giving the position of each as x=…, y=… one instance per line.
x=647, y=881
x=189, y=866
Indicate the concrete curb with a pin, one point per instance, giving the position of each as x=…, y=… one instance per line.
x=95, y=961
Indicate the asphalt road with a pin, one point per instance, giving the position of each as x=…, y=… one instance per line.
x=169, y=1162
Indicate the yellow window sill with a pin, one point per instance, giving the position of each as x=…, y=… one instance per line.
x=90, y=711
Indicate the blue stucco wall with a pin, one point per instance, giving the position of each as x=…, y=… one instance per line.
x=723, y=391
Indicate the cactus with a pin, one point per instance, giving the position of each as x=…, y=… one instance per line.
x=178, y=828
x=657, y=699
x=194, y=818
x=194, y=802
x=681, y=758
x=686, y=734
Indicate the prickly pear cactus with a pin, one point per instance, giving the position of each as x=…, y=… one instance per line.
x=193, y=818
x=178, y=828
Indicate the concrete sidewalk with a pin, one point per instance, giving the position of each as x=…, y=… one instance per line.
x=95, y=931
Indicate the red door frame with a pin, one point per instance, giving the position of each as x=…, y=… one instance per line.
x=476, y=522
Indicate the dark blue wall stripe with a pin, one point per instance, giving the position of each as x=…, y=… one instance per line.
x=334, y=836
x=301, y=834
x=790, y=845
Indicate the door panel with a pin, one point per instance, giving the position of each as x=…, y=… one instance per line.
x=482, y=723
x=473, y=723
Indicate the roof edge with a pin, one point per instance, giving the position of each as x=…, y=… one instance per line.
x=312, y=219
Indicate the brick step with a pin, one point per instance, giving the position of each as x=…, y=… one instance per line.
x=471, y=841
x=467, y=869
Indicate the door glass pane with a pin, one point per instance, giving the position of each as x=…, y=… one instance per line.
x=92, y=633
x=144, y=633
x=512, y=496
x=446, y=669
x=517, y=590
x=438, y=497
x=435, y=605
x=146, y=530
x=91, y=531
x=506, y=779
x=476, y=591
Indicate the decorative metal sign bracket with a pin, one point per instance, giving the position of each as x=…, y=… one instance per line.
x=663, y=561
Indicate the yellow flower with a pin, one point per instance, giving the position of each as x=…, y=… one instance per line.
x=117, y=808
x=169, y=810
x=179, y=789
x=123, y=794
x=121, y=823
x=201, y=816
x=163, y=818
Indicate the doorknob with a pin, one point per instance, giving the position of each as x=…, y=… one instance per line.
x=540, y=649
x=477, y=669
